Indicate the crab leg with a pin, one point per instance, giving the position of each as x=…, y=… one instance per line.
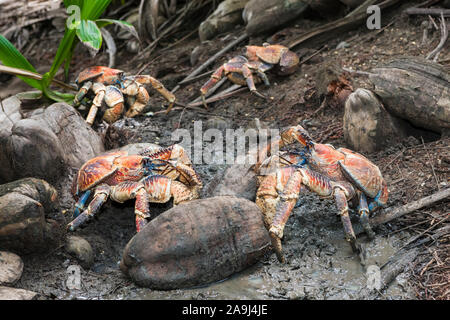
x=101, y=195
x=114, y=100
x=141, y=209
x=81, y=93
x=342, y=205
x=138, y=103
x=79, y=206
x=158, y=86
x=99, y=90
x=364, y=216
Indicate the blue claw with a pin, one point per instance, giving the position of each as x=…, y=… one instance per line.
x=79, y=206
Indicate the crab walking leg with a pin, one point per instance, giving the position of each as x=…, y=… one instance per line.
x=215, y=77
x=141, y=209
x=81, y=93
x=99, y=90
x=288, y=199
x=130, y=190
x=100, y=196
x=137, y=106
x=115, y=102
x=79, y=206
x=364, y=216
x=342, y=205
x=158, y=86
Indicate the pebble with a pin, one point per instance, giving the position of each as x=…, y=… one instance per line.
x=11, y=268
x=80, y=249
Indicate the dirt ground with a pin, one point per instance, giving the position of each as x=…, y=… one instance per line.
x=320, y=265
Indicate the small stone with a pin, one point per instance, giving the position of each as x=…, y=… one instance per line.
x=342, y=45
x=81, y=249
x=7, y=293
x=11, y=267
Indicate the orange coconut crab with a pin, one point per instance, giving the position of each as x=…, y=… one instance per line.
x=251, y=69
x=111, y=85
x=154, y=175
x=340, y=174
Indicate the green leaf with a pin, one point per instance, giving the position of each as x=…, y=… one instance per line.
x=11, y=57
x=90, y=35
x=123, y=24
x=92, y=10
x=68, y=3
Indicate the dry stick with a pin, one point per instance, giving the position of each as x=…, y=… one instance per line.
x=444, y=36
x=430, y=11
x=218, y=97
x=193, y=79
x=212, y=59
x=212, y=90
x=431, y=164
x=34, y=75
x=394, y=213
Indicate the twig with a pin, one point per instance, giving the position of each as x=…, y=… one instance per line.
x=444, y=35
x=430, y=11
x=431, y=164
x=393, y=213
x=34, y=75
x=212, y=59
x=193, y=79
x=218, y=97
x=212, y=90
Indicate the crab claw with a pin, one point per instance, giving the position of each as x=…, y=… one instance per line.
x=256, y=92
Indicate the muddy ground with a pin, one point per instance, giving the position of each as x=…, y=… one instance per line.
x=320, y=264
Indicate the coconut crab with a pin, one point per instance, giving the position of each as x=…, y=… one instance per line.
x=341, y=174
x=251, y=69
x=154, y=175
x=111, y=85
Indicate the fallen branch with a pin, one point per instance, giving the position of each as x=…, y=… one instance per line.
x=223, y=95
x=444, y=35
x=428, y=11
x=394, y=213
x=34, y=75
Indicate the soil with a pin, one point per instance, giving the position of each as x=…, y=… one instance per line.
x=320, y=264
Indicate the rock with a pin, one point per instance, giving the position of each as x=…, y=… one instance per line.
x=415, y=89
x=368, y=127
x=11, y=267
x=239, y=180
x=7, y=293
x=196, y=243
x=23, y=226
x=81, y=249
x=227, y=15
x=43, y=142
x=265, y=15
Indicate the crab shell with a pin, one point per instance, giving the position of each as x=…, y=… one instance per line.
x=101, y=74
x=275, y=54
x=363, y=174
x=98, y=169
